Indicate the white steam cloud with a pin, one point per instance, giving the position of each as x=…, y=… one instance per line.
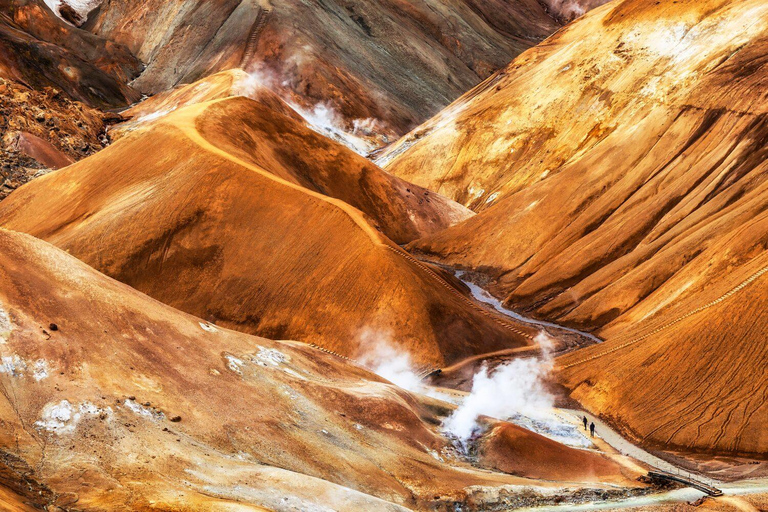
x=572, y=9
x=322, y=117
x=516, y=388
x=378, y=354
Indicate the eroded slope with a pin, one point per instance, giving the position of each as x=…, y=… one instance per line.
x=41, y=50
x=593, y=194
x=620, y=175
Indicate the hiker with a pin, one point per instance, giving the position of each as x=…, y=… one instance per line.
x=592, y=429
x=585, y=422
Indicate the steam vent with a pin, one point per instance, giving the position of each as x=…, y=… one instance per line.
x=383, y=255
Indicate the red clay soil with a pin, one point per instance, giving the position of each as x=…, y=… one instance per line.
x=620, y=174
x=40, y=50
x=114, y=401
x=174, y=215
x=339, y=53
x=517, y=451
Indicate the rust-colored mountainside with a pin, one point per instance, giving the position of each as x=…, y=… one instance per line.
x=693, y=379
x=620, y=174
x=268, y=133
x=113, y=401
x=203, y=210
x=347, y=55
x=40, y=50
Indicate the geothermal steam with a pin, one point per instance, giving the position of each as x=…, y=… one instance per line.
x=515, y=388
x=572, y=9
x=378, y=354
x=322, y=118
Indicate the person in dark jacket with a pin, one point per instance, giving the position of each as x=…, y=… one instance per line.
x=592, y=429
x=585, y=422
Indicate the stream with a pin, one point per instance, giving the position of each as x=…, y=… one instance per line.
x=485, y=297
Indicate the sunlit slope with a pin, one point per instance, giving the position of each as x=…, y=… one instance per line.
x=696, y=381
x=626, y=153
x=268, y=133
x=171, y=212
x=336, y=53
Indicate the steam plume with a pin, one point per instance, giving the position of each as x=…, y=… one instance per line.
x=515, y=388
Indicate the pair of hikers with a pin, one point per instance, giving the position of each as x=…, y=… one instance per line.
x=591, y=426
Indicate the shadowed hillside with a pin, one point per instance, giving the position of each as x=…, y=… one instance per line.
x=41, y=50
x=349, y=56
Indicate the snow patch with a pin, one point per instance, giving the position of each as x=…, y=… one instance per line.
x=18, y=367
x=272, y=356
x=208, y=327
x=322, y=118
x=235, y=364
x=13, y=366
x=325, y=120
x=140, y=410
x=40, y=370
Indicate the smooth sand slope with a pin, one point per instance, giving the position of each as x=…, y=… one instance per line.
x=113, y=401
x=347, y=55
x=620, y=174
x=172, y=212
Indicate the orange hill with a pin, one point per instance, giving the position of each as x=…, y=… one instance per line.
x=188, y=211
x=586, y=221
x=694, y=380
x=114, y=401
x=617, y=184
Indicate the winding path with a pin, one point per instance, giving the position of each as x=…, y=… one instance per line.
x=185, y=120
x=647, y=335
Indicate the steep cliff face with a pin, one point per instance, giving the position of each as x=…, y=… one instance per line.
x=620, y=171
x=342, y=56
